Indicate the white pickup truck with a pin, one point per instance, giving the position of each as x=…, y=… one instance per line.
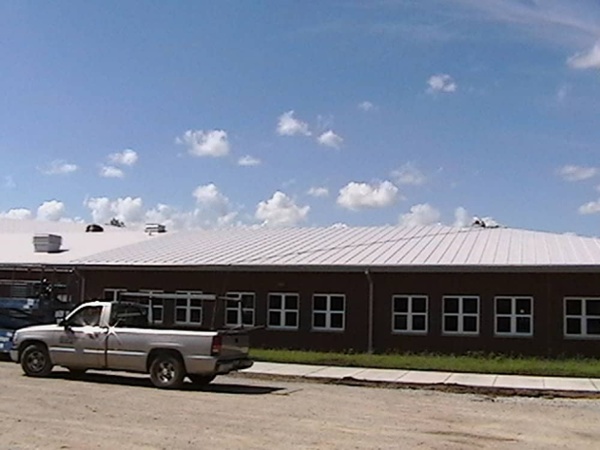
x=117, y=336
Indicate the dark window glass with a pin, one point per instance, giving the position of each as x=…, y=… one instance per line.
x=248, y=301
x=337, y=321
x=320, y=303
x=592, y=307
x=196, y=303
x=291, y=319
x=524, y=306
x=182, y=302
x=275, y=301
x=503, y=324
x=274, y=319
x=469, y=324
x=180, y=315
x=451, y=305
x=523, y=325
x=573, y=326
x=400, y=323
x=593, y=326
x=573, y=307
x=232, y=304
x=419, y=304
x=319, y=320
x=401, y=304
x=195, y=315
x=503, y=306
x=470, y=305
x=291, y=302
x=248, y=317
x=451, y=323
x=157, y=314
x=337, y=303
x=232, y=316
x=419, y=322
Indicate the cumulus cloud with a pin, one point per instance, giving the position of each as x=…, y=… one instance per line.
x=318, y=191
x=366, y=106
x=409, y=174
x=441, y=83
x=129, y=210
x=59, y=167
x=51, y=210
x=462, y=218
x=330, y=139
x=127, y=157
x=281, y=210
x=288, y=125
x=248, y=161
x=577, y=173
x=213, y=143
x=17, y=214
x=356, y=196
x=590, y=208
x=419, y=215
x=111, y=172
x=586, y=60
x=214, y=208
x=209, y=195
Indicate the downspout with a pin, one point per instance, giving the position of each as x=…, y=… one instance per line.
x=370, y=316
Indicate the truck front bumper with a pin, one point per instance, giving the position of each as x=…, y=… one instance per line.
x=14, y=355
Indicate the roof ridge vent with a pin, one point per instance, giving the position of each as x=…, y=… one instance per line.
x=47, y=243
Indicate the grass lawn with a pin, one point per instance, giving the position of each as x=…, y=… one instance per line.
x=499, y=364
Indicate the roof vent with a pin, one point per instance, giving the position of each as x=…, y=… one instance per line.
x=47, y=243
x=152, y=228
x=94, y=228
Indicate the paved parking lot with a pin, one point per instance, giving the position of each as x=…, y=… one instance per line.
x=124, y=411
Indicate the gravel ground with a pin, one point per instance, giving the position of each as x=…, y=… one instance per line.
x=237, y=412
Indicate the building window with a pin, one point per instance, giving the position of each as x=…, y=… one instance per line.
x=240, y=311
x=582, y=317
x=461, y=315
x=514, y=316
x=409, y=313
x=328, y=312
x=150, y=299
x=188, y=310
x=113, y=294
x=283, y=311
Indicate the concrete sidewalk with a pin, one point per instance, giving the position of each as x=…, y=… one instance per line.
x=428, y=378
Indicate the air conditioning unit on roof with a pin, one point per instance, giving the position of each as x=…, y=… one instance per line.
x=155, y=228
x=47, y=243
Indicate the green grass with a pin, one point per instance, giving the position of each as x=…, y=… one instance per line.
x=479, y=363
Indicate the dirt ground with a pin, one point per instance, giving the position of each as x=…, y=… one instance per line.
x=238, y=412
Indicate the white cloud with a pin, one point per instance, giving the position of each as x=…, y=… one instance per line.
x=356, y=196
x=111, y=172
x=128, y=209
x=419, y=215
x=17, y=214
x=462, y=218
x=288, y=125
x=205, y=143
x=590, y=208
x=577, y=173
x=318, y=191
x=330, y=139
x=586, y=60
x=281, y=210
x=409, y=174
x=127, y=157
x=441, y=83
x=214, y=208
x=52, y=210
x=59, y=167
x=366, y=106
x=248, y=161
x=209, y=195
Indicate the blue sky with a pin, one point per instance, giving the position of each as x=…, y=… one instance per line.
x=294, y=113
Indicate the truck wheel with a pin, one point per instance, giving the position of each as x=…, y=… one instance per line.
x=201, y=380
x=35, y=361
x=166, y=371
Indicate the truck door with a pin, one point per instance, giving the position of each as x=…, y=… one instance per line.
x=82, y=342
x=127, y=340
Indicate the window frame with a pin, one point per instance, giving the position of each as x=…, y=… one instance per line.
x=461, y=315
x=410, y=314
x=252, y=310
x=582, y=317
x=513, y=316
x=328, y=313
x=188, y=309
x=283, y=311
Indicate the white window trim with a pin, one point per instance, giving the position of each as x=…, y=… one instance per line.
x=238, y=295
x=513, y=316
x=460, y=315
x=328, y=313
x=410, y=314
x=282, y=311
x=151, y=308
x=115, y=293
x=188, y=309
x=582, y=317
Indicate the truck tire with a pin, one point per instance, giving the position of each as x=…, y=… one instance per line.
x=35, y=361
x=201, y=380
x=167, y=371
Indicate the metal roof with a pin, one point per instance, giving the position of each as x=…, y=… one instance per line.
x=393, y=247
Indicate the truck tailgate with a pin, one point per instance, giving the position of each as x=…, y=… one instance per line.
x=235, y=344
